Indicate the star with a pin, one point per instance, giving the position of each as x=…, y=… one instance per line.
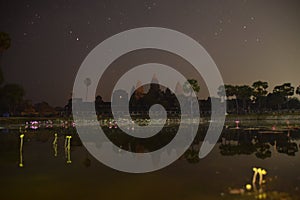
x=77, y=39
x=37, y=15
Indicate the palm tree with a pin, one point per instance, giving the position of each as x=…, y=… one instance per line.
x=5, y=42
x=87, y=83
x=189, y=86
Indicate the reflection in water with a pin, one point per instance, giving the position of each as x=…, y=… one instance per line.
x=68, y=148
x=55, y=145
x=251, y=191
x=237, y=151
x=21, y=150
x=261, y=173
x=254, y=175
x=258, y=142
x=259, y=193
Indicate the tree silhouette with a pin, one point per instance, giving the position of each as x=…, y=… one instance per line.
x=12, y=95
x=298, y=90
x=5, y=43
x=260, y=92
x=285, y=90
x=275, y=99
x=231, y=92
x=244, y=93
x=192, y=155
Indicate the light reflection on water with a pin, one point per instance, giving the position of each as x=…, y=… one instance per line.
x=58, y=166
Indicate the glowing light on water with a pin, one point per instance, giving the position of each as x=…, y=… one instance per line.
x=68, y=148
x=55, y=144
x=261, y=173
x=248, y=187
x=21, y=150
x=237, y=124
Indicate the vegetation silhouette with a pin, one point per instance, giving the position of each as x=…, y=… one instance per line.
x=11, y=95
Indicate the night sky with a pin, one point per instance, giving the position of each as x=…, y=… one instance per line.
x=248, y=40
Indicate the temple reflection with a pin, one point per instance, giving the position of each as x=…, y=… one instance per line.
x=263, y=143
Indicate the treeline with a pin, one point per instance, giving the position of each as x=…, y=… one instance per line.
x=256, y=98
x=11, y=95
x=240, y=98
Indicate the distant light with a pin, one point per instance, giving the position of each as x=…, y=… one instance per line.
x=248, y=187
x=237, y=124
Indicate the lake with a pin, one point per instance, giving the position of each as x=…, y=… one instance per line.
x=46, y=169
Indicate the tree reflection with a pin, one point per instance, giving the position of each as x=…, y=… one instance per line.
x=257, y=142
x=192, y=155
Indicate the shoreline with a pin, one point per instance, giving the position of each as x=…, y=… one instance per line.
x=267, y=118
